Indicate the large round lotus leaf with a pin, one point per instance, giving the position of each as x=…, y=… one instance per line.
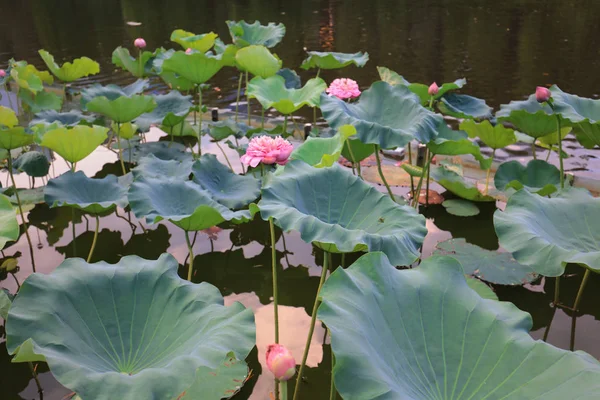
x=152, y=167
x=330, y=60
x=131, y=330
x=69, y=118
x=8, y=118
x=529, y=116
x=91, y=195
x=41, y=101
x=161, y=150
x=495, y=137
x=547, y=233
x=173, y=80
x=123, y=59
x=122, y=109
x=389, y=116
x=422, y=90
x=76, y=143
x=244, y=34
x=258, y=61
x=452, y=143
x=196, y=67
x=228, y=188
x=583, y=115
x=171, y=109
x=292, y=80
x=490, y=266
x=69, y=72
x=424, y=334
x=189, y=40
x=112, y=92
x=463, y=106
x=456, y=184
x=538, y=177
x=391, y=77
x=15, y=138
x=323, y=152
x=9, y=226
x=184, y=203
x=341, y=212
x=28, y=77
x=272, y=92
x=33, y=163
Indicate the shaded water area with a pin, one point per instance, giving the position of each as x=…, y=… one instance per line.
x=503, y=48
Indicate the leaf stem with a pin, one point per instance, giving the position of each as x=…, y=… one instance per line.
x=557, y=291
x=274, y=267
x=412, y=180
x=489, y=171
x=560, y=158
x=420, y=184
x=237, y=98
x=37, y=381
x=89, y=257
x=120, y=149
x=586, y=276
x=247, y=99
x=284, y=390
x=284, y=124
x=353, y=159
x=189, y=245
x=200, y=116
x=381, y=172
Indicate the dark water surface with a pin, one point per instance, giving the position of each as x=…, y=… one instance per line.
x=504, y=49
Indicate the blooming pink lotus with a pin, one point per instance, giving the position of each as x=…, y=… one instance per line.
x=2, y=73
x=267, y=150
x=280, y=362
x=433, y=89
x=344, y=88
x=542, y=94
x=188, y=51
x=139, y=43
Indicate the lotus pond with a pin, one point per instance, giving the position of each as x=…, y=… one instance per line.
x=155, y=247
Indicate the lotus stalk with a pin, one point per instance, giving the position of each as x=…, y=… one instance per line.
x=89, y=257
x=237, y=97
x=387, y=186
x=488, y=173
x=560, y=157
x=191, y=252
x=247, y=99
x=200, y=121
x=120, y=148
x=586, y=276
x=420, y=184
x=275, y=289
x=412, y=181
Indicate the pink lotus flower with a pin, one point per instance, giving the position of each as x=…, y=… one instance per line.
x=267, y=150
x=433, y=89
x=2, y=73
x=344, y=88
x=542, y=94
x=139, y=43
x=188, y=51
x=280, y=362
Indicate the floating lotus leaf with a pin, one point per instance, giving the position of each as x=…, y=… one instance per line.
x=8, y=118
x=460, y=208
x=389, y=116
x=456, y=184
x=112, y=92
x=391, y=77
x=196, y=67
x=341, y=213
x=257, y=60
x=582, y=114
x=422, y=90
x=423, y=334
x=69, y=72
x=490, y=266
x=171, y=109
x=463, y=106
x=244, y=34
x=152, y=167
x=15, y=138
x=495, y=137
x=228, y=188
x=323, y=152
x=33, y=163
x=161, y=150
x=94, y=196
x=184, y=203
x=9, y=226
x=122, y=109
x=452, y=143
x=27, y=77
x=228, y=127
x=271, y=92
x=331, y=60
x=125, y=130
x=547, y=233
x=123, y=59
x=76, y=143
x=70, y=118
x=292, y=80
x=189, y=40
x=538, y=177
x=149, y=346
x=529, y=116
x=41, y=101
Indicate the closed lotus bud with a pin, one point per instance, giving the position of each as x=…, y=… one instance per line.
x=542, y=94
x=433, y=89
x=188, y=51
x=2, y=73
x=280, y=362
x=139, y=43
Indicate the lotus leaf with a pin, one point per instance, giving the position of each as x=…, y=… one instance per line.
x=76, y=143
x=451, y=143
x=189, y=40
x=581, y=113
x=15, y=138
x=360, y=151
x=529, y=116
x=330, y=60
x=178, y=130
x=41, y=101
x=5, y=301
x=422, y=90
x=69, y=72
x=495, y=137
x=171, y=109
x=70, y=118
x=460, y=207
x=33, y=163
x=196, y=67
x=123, y=59
x=456, y=184
x=257, y=60
x=391, y=77
x=292, y=80
x=389, y=116
x=228, y=127
x=149, y=346
x=161, y=150
x=423, y=334
x=323, y=152
x=29, y=78
x=244, y=34
x=153, y=167
x=547, y=233
x=8, y=118
x=126, y=130
x=481, y=288
x=122, y=109
x=175, y=81
x=341, y=213
x=271, y=92
x=538, y=177
x=112, y=92
x=9, y=226
x=463, y=106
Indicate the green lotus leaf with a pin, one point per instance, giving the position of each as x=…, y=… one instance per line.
x=423, y=334
x=226, y=54
x=389, y=116
x=33, y=163
x=271, y=92
x=93, y=196
x=171, y=109
x=228, y=188
x=360, y=150
x=161, y=150
x=452, y=143
x=196, y=67
x=42, y=101
x=228, y=127
x=538, y=177
x=112, y=92
x=257, y=60
x=583, y=115
x=173, y=80
x=187, y=129
x=122, y=109
x=244, y=34
x=189, y=40
x=8, y=118
x=422, y=90
x=69, y=118
x=9, y=226
x=588, y=134
x=184, y=203
x=149, y=346
x=460, y=207
x=29, y=78
x=125, y=130
x=529, y=116
x=323, y=152
x=490, y=266
x=456, y=184
x=69, y=72
x=391, y=77
x=152, y=167
x=124, y=60
x=76, y=143
x=292, y=80
x=330, y=60
x=6, y=299
x=463, y=106
x=341, y=213
x=25, y=353
x=483, y=290
x=28, y=197
x=495, y=137
x=15, y=138
x=552, y=138
x=539, y=231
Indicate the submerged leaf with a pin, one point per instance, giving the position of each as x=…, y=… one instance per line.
x=461, y=208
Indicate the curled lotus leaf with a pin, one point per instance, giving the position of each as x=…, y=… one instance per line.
x=456, y=184
x=8, y=117
x=582, y=114
x=189, y=40
x=171, y=109
x=272, y=92
x=162, y=150
x=15, y=138
x=331, y=60
x=112, y=92
x=9, y=226
x=151, y=166
x=422, y=90
x=69, y=118
x=126, y=130
x=537, y=176
x=228, y=127
x=69, y=72
x=292, y=80
x=173, y=80
x=29, y=78
x=76, y=143
x=391, y=77
x=124, y=60
x=323, y=152
x=40, y=101
x=258, y=61
x=122, y=109
x=244, y=34
x=464, y=106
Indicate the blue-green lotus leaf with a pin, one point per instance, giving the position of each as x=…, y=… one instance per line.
x=494, y=136
x=94, y=196
x=582, y=114
x=272, y=92
x=15, y=138
x=490, y=266
x=452, y=143
x=171, y=109
x=131, y=330
x=228, y=127
x=547, y=233
x=538, y=177
x=258, y=61
x=424, y=334
x=389, y=116
x=173, y=80
x=122, y=109
x=9, y=226
x=196, y=67
x=341, y=213
x=292, y=80
x=459, y=207
x=391, y=77
x=456, y=184
x=244, y=34
x=112, y=92
x=228, y=188
x=219, y=383
x=184, y=203
x=529, y=116
x=151, y=166
x=189, y=40
x=69, y=72
x=161, y=150
x=331, y=60
x=33, y=163
x=463, y=106
x=323, y=152
x=41, y=101
x=124, y=60
x=69, y=118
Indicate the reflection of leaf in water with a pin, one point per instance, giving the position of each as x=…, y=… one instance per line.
x=538, y=304
x=255, y=230
x=112, y=169
x=109, y=246
x=53, y=221
x=14, y=377
x=316, y=379
x=569, y=285
x=149, y=245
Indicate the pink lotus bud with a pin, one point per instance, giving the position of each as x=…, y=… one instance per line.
x=433, y=89
x=2, y=73
x=542, y=94
x=188, y=51
x=280, y=362
x=139, y=43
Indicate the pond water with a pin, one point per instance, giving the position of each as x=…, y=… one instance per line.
x=504, y=49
